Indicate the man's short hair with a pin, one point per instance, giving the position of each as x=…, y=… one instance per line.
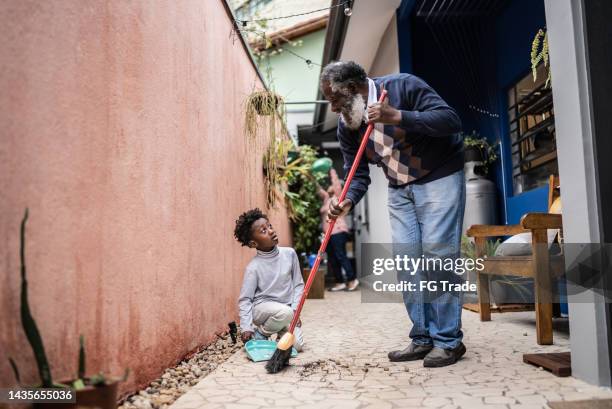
x=342, y=74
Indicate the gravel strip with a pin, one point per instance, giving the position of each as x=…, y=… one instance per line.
x=174, y=382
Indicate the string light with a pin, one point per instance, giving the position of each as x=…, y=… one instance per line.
x=308, y=61
x=484, y=111
x=347, y=11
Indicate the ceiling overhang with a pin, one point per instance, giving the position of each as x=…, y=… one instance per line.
x=359, y=38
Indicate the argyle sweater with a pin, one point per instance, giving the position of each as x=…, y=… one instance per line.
x=425, y=146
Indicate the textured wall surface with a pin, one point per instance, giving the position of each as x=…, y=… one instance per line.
x=122, y=132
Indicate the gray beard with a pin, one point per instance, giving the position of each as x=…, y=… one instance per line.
x=354, y=114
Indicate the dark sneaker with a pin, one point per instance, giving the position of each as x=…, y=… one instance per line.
x=412, y=353
x=439, y=357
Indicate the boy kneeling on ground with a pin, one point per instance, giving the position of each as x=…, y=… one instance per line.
x=272, y=285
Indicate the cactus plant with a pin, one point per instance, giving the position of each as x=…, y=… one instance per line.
x=98, y=379
x=81, y=373
x=33, y=335
x=28, y=322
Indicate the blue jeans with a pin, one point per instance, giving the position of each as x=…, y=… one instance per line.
x=426, y=220
x=336, y=251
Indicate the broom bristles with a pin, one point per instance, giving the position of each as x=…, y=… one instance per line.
x=278, y=361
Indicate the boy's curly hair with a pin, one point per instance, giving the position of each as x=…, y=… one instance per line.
x=242, y=231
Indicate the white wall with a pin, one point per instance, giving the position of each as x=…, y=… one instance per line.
x=297, y=117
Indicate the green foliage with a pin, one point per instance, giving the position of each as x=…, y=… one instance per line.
x=489, y=151
x=539, y=54
x=27, y=321
x=468, y=248
x=97, y=380
x=78, y=384
x=303, y=202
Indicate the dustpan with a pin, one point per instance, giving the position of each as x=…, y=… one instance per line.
x=262, y=350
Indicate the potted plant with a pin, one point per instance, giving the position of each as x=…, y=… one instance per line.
x=260, y=104
x=96, y=391
x=265, y=109
x=264, y=102
x=478, y=149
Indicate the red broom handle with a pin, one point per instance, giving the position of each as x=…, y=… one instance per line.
x=349, y=178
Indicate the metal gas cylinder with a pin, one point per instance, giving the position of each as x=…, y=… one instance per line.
x=480, y=198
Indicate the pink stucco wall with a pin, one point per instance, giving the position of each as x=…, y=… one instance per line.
x=122, y=132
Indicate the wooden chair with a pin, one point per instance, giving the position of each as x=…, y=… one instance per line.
x=540, y=265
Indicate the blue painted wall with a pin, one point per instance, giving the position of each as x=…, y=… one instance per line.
x=404, y=35
x=535, y=200
x=509, y=36
x=514, y=31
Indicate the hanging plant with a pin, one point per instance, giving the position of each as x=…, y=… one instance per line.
x=266, y=109
x=275, y=159
x=539, y=54
x=262, y=104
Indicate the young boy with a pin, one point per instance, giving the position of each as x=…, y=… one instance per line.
x=272, y=285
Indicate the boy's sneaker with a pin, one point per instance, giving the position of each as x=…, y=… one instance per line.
x=338, y=287
x=352, y=285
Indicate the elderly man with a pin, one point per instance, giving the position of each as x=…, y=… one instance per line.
x=417, y=145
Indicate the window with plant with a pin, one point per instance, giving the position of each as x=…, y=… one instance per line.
x=531, y=121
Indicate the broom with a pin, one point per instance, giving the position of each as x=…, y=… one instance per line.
x=281, y=355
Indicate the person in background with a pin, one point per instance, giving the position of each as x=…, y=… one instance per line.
x=336, y=248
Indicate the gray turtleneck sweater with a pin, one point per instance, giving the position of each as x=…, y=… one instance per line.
x=270, y=276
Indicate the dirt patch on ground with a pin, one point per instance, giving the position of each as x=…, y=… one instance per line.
x=326, y=369
x=337, y=367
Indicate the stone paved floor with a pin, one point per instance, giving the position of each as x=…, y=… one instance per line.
x=345, y=365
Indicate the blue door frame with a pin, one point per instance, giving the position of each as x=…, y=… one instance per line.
x=513, y=32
